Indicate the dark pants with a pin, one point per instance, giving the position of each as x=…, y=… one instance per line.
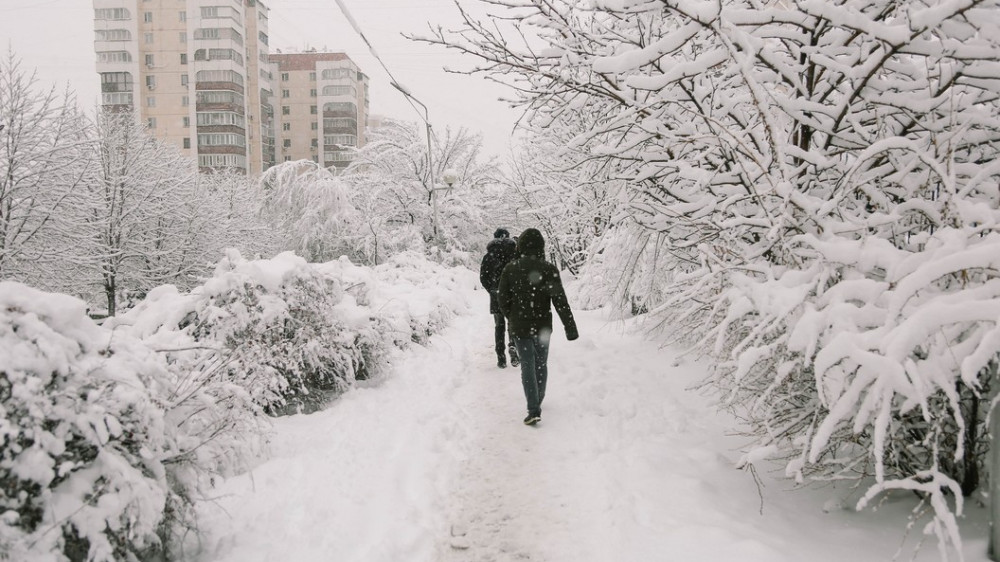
x=500, y=334
x=534, y=353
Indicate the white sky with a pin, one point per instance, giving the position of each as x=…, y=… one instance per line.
x=56, y=37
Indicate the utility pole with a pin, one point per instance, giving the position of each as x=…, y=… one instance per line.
x=449, y=176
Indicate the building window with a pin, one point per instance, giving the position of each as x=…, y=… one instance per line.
x=339, y=156
x=340, y=123
x=209, y=118
x=114, y=56
x=222, y=161
x=286, y=126
x=116, y=98
x=112, y=14
x=150, y=101
x=217, y=54
x=183, y=36
x=187, y=142
x=220, y=12
x=285, y=93
x=148, y=38
x=284, y=77
x=116, y=82
x=147, y=17
x=218, y=33
x=149, y=60
x=314, y=143
x=340, y=91
x=184, y=79
x=219, y=76
x=287, y=143
x=113, y=35
x=312, y=76
x=312, y=92
x=185, y=101
x=220, y=96
x=312, y=109
x=315, y=158
x=288, y=158
x=340, y=140
x=221, y=139
x=341, y=107
x=315, y=126
x=285, y=110
x=184, y=58
x=186, y=122
x=334, y=73
x=151, y=82
x=151, y=122
x=182, y=16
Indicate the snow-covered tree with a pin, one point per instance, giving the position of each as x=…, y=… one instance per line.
x=563, y=195
x=43, y=159
x=389, y=175
x=308, y=206
x=812, y=201
x=240, y=203
x=145, y=224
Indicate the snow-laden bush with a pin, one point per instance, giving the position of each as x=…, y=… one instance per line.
x=289, y=334
x=410, y=297
x=271, y=327
x=82, y=474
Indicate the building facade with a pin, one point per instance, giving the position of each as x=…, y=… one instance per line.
x=196, y=72
x=323, y=101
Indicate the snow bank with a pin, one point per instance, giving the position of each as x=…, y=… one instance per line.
x=82, y=467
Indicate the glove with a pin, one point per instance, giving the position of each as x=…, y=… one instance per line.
x=571, y=333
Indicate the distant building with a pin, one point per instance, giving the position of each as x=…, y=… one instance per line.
x=323, y=100
x=196, y=71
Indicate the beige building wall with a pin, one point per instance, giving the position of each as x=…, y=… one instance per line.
x=196, y=72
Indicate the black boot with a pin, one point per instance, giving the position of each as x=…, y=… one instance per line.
x=501, y=361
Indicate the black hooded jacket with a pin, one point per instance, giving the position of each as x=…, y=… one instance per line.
x=530, y=287
x=499, y=252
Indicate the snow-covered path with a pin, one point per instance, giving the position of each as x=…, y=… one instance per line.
x=627, y=464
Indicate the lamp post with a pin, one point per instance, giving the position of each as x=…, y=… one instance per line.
x=449, y=177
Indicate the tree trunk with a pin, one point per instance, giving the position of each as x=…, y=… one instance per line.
x=109, y=292
x=994, y=461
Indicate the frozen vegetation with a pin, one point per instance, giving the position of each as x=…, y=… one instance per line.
x=799, y=197
x=114, y=432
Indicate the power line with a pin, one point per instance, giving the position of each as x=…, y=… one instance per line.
x=395, y=83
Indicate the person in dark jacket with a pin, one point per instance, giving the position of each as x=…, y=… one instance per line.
x=529, y=288
x=499, y=252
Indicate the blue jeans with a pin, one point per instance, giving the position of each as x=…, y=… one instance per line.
x=534, y=354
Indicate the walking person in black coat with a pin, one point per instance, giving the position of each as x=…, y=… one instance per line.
x=499, y=252
x=529, y=288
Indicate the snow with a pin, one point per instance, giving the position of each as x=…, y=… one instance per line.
x=629, y=463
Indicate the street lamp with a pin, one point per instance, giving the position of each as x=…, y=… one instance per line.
x=449, y=177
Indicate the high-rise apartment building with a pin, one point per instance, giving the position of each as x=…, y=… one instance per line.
x=196, y=71
x=323, y=100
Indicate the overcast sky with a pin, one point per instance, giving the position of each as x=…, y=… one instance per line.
x=56, y=37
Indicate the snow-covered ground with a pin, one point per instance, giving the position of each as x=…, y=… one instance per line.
x=628, y=464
